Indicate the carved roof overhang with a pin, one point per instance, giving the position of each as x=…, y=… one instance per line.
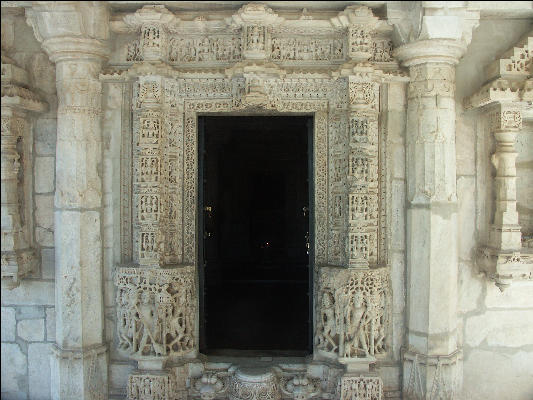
x=509, y=79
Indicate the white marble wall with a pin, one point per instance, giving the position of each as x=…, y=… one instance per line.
x=495, y=328
x=28, y=313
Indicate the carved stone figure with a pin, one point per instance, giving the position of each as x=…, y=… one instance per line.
x=359, y=312
x=327, y=322
x=155, y=311
x=356, y=327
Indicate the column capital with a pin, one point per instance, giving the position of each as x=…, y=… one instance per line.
x=430, y=31
x=446, y=51
x=71, y=30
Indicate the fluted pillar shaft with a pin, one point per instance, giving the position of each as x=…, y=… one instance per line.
x=431, y=359
x=80, y=366
x=74, y=36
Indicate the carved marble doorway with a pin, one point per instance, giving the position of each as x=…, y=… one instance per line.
x=255, y=236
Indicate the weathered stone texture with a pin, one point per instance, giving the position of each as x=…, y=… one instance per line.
x=39, y=371
x=44, y=174
x=31, y=330
x=484, y=369
x=50, y=324
x=8, y=325
x=505, y=328
x=14, y=372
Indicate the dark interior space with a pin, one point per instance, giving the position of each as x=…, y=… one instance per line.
x=255, y=228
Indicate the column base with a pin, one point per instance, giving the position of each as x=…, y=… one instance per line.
x=431, y=377
x=79, y=373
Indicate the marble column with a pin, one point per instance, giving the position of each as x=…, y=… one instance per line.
x=73, y=35
x=505, y=123
x=431, y=359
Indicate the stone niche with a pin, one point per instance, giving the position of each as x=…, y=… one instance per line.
x=255, y=62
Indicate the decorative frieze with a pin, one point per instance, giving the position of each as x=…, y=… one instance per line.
x=363, y=176
x=151, y=385
x=250, y=384
x=360, y=23
x=353, y=312
x=216, y=48
x=361, y=387
x=156, y=311
x=307, y=49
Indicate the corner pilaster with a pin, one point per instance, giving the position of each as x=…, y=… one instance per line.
x=74, y=35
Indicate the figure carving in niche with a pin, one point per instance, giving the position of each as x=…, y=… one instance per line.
x=156, y=311
x=356, y=323
x=352, y=318
x=149, y=325
x=256, y=37
x=327, y=321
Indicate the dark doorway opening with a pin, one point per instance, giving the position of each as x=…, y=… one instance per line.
x=255, y=251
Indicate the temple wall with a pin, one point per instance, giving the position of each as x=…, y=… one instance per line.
x=28, y=315
x=495, y=328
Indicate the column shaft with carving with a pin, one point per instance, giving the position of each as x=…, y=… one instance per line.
x=78, y=238
x=74, y=36
x=432, y=353
x=502, y=101
x=505, y=123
